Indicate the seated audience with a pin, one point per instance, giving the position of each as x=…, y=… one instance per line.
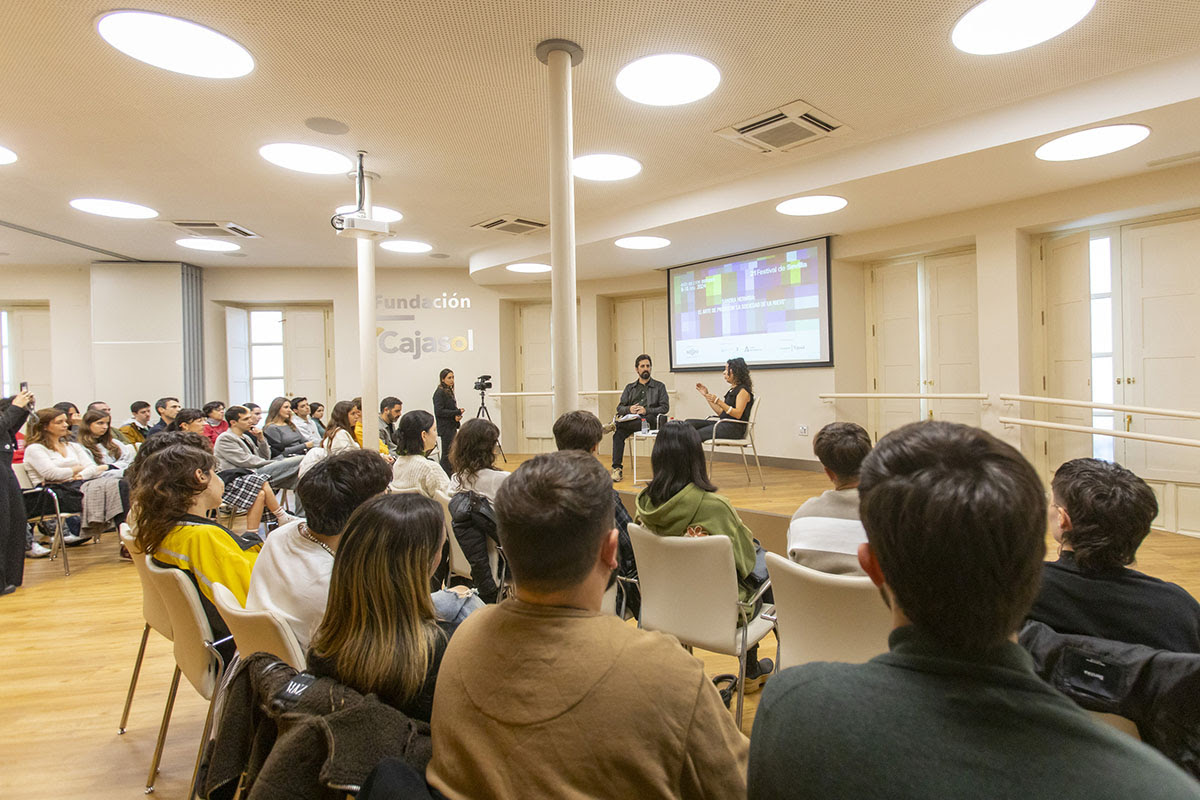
x=339, y=436
x=733, y=411
x=166, y=408
x=244, y=447
x=190, y=420
x=137, y=427
x=682, y=501
x=303, y=421
x=473, y=459
x=385, y=446
x=1100, y=514
x=390, y=410
x=582, y=430
x=96, y=437
x=544, y=695
x=52, y=460
x=214, y=420
x=291, y=575
x=413, y=469
x=174, y=488
x=284, y=438
x=380, y=632
x=955, y=523
x=317, y=416
x=829, y=536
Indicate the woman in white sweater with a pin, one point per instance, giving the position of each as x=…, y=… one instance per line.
x=413, y=469
x=339, y=436
x=51, y=460
x=95, y=436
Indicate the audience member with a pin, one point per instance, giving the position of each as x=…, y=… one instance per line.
x=14, y=527
x=546, y=696
x=137, y=427
x=245, y=447
x=732, y=411
x=825, y=532
x=303, y=421
x=380, y=632
x=413, y=469
x=284, y=437
x=291, y=575
x=214, y=420
x=1100, y=514
x=99, y=405
x=174, y=489
x=385, y=447
x=390, y=409
x=647, y=400
x=955, y=523
x=50, y=459
x=96, y=437
x=582, y=430
x=339, y=436
x=473, y=459
x=449, y=415
x=166, y=408
x=682, y=501
x=317, y=415
x=190, y=420
x=73, y=419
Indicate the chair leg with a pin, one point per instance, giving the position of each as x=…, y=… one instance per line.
x=58, y=537
x=208, y=723
x=745, y=464
x=758, y=464
x=162, y=732
x=741, y=688
x=137, y=667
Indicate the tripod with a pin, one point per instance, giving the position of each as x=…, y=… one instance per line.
x=483, y=413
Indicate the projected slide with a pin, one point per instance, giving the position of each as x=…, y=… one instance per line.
x=771, y=307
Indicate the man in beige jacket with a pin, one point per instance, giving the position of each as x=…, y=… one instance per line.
x=546, y=696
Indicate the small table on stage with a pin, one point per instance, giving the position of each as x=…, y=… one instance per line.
x=649, y=436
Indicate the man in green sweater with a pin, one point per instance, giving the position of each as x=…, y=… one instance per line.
x=956, y=523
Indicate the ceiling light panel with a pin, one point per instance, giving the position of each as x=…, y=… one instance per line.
x=306, y=158
x=669, y=79
x=605, y=167
x=210, y=245
x=175, y=44
x=7, y=156
x=528, y=267
x=113, y=208
x=1004, y=26
x=406, y=246
x=378, y=213
x=811, y=205
x=642, y=242
x=1092, y=142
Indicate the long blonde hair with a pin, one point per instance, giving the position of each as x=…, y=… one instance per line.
x=380, y=629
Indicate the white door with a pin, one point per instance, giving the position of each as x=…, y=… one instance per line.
x=28, y=340
x=897, y=343
x=237, y=346
x=953, y=349
x=629, y=341
x=658, y=339
x=304, y=353
x=1068, y=344
x=1161, y=303
x=537, y=412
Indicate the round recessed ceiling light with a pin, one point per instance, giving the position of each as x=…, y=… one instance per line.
x=642, y=242
x=1092, y=142
x=1002, y=26
x=378, y=213
x=211, y=245
x=670, y=79
x=605, y=167
x=113, y=208
x=306, y=158
x=7, y=156
x=406, y=246
x=528, y=267
x=812, y=205
x=175, y=44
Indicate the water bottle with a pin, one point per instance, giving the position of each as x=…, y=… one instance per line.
x=645, y=426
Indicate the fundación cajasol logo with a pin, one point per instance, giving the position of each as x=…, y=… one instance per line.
x=415, y=343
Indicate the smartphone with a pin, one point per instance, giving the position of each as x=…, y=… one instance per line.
x=24, y=386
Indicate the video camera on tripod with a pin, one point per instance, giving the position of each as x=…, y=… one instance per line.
x=483, y=383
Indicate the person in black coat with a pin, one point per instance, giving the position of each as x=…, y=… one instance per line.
x=447, y=413
x=13, y=525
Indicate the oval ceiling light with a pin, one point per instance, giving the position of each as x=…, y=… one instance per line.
x=7, y=156
x=1092, y=142
x=1003, y=26
x=605, y=167
x=211, y=245
x=528, y=267
x=378, y=213
x=306, y=158
x=113, y=208
x=642, y=242
x=175, y=44
x=670, y=79
x=406, y=246
x=811, y=205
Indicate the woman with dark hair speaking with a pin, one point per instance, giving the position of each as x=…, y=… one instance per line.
x=733, y=410
x=682, y=501
x=413, y=468
x=448, y=414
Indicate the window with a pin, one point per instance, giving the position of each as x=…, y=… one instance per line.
x=6, y=387
x=266, y=356
x=1100, y=269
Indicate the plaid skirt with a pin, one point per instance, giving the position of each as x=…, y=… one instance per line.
x=240, y=493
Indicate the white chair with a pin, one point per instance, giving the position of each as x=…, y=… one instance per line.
x=823, y=617
x=690, y=590
x=740, y=444
x=153, y=612
x=258, y=631
x=826, y=544
x=196, y=655
x=57, y=545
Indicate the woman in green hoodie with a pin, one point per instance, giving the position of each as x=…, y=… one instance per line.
x=682, y=501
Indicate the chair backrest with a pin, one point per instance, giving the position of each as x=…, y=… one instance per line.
x=22, y=473
x=459, y=565
x=257, y=631
x=689, y=587
x=405, y=490
x=823, y=617
x=193, y=635
x=154, y=611
x=815, y=535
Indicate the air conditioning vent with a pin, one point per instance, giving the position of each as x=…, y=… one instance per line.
x=511, y=224
x=206, y=228
x=783, y=129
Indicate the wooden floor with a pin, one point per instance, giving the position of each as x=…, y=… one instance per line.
x=70, y=643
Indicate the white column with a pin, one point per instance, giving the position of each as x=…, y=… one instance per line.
x=1006, y=331
x=368, y=353
x=560, y=55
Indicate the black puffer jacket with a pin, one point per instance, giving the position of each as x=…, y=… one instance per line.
x=474, y=524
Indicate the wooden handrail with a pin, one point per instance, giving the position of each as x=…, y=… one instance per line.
x=1062, y=401
x=1062, y=426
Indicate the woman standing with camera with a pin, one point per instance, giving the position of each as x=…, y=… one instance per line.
x=447, y=413
x=13, y=525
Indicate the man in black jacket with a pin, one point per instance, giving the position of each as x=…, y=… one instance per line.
x=645, y=397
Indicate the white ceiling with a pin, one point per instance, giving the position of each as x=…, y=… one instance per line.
x=449, y=100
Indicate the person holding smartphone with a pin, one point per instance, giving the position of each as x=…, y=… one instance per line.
x=13, y=525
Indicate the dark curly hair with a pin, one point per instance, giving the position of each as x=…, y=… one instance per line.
x=740, y=373
x=1110, y=509
x=166, y=484
x=474, y=449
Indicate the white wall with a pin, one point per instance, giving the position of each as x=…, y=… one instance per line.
x=66, y=289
